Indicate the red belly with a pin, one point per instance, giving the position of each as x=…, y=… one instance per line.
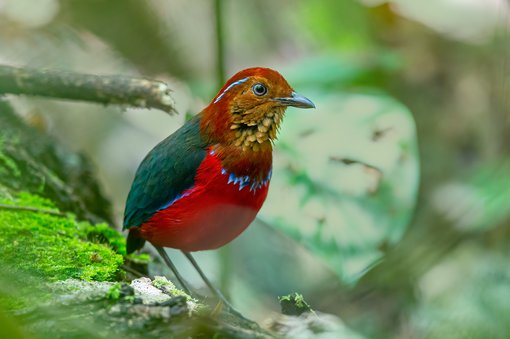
x=209, y=215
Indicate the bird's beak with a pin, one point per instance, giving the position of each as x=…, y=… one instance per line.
x=296, y=100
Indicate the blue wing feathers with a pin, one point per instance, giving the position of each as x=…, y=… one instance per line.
x=165, y=173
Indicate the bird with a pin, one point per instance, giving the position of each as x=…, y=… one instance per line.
x=203, y=185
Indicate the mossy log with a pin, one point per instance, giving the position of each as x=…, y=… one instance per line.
x=62, y=265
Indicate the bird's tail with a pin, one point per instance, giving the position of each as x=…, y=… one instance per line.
x=134, y=241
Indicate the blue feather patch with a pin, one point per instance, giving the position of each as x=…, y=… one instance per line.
x=246, y=181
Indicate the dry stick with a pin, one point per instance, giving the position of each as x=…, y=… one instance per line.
x=30, y=209
x=132, y=271
x=102, y=89
x=348, y=161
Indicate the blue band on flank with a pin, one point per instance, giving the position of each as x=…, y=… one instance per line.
x=180, y=196
x=246, y=181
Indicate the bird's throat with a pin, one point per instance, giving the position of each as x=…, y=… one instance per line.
x=251, y=133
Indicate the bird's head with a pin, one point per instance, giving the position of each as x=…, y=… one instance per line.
x=249, y=108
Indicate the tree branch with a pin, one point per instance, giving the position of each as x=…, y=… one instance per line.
x=122, y=90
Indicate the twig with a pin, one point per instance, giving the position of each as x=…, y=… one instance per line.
x=102, y=89
x=220, y=43
x=30, y=209
x=132, y=271
x=348, y=161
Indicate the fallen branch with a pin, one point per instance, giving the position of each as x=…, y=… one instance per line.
x=122, y=90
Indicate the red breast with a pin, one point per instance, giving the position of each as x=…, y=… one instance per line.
x=212, y=213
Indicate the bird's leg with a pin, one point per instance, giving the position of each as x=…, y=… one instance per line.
x=213, y=289
x=169, y=263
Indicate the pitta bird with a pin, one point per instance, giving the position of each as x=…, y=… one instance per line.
x=203, y=185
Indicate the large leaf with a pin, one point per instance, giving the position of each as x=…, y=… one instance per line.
x=345, y=179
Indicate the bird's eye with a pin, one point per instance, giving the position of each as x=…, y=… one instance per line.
x=259, y=89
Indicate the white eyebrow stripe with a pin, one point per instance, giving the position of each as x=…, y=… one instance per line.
x=229, y=87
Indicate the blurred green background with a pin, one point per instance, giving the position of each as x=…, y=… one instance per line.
x=390, y=203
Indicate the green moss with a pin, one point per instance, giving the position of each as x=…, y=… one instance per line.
x=142, y=258
x=10, y=328
x=294, y=304
x=19, y=290
x=54, y=247
x=7, y=164
x=12, y=303
x=299, y=300
x=104, y=234
x=27, y=199
x=114, y=292
x=296, y=298
x=164, y=284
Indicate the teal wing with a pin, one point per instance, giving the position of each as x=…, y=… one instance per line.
x=165, y=173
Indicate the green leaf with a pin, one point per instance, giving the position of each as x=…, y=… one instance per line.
x=345, y=179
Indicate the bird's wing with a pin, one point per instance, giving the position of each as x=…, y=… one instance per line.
x=166, y=172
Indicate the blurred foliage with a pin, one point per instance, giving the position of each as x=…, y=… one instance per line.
x=331, y=73
x=9, y=328
x=480, y=201
x=337, y=24
x=113, y=22
x=471, y=298
x=346, y=175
